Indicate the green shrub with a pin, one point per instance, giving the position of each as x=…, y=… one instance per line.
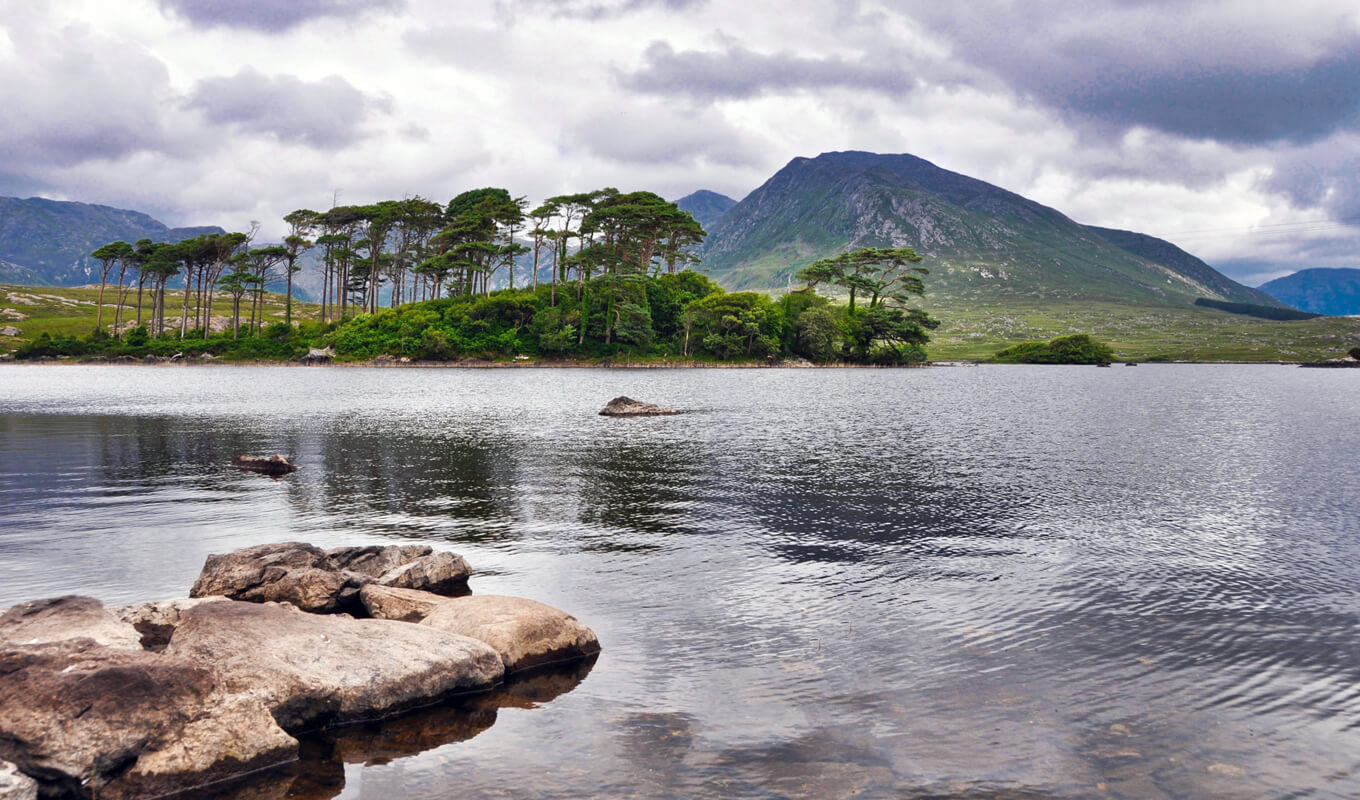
x=1077, y=349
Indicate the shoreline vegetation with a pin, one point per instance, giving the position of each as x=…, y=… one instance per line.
x=618, y=286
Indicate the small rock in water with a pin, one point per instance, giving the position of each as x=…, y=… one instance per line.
x=269, y=465
x=628, y=407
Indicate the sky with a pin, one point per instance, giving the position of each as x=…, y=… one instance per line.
x=1230, y=127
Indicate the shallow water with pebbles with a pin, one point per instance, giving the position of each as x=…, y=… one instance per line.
x=1016, y=582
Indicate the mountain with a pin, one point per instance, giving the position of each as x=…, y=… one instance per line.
x=50, y=241
x=981, y=242
x=706, y=207
x=1321, y=291
x=1160, y=251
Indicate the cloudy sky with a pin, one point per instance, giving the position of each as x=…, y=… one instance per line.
x=1231, y=127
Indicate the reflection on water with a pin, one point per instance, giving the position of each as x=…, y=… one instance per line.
x=998, y=582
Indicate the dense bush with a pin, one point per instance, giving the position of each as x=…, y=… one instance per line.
x=1076, y=349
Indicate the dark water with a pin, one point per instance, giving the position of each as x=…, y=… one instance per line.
x=994, y=582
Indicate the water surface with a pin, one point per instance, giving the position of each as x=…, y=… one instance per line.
x=1021, y=582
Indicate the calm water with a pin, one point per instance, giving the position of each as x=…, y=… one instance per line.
x=993, y=582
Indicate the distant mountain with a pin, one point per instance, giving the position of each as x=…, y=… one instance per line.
x=1160, y=251
x=50, y=241
x=1321, y=291
x=981, y=242
x=706, y=207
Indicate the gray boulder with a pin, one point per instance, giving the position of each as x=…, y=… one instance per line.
x=61, y=618
x=628, y=407
x=524, y=633
x=14, y=785
x=311, y=670
x=88, y=720
x=156, y=621
x=325, y=582
x=287, y=572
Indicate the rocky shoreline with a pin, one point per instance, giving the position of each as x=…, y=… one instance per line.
x=276, y=643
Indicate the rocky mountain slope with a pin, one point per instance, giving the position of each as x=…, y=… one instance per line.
x=48, y=242
x=981, y=242
x=1321, y=291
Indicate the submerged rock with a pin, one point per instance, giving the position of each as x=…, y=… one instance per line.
x=309, y=669
x=63, y=618
x=628, y=407
x=91, y=720
x=269, y=465
x=525, y=633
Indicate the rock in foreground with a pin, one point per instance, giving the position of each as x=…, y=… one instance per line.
x=525, y=633
x=310, y=670
x=628, y=407
x=267, y=465
x=97, y=721
x=62, y=618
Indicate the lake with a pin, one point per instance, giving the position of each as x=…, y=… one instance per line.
x=1013, y=582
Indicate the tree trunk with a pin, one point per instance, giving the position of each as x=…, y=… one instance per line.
x=99, y=310
x=184, y=313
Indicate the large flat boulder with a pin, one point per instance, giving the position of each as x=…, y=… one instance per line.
x=89, y=720
x=525, y=633
x=310, y=670
x=61, y=618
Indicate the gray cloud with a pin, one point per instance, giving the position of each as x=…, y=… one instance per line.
x=270, y=15
x=1224, y=71
x=737, y=72
x=326, y=114
x=659, y=136
x=590, y=9
x=1325, y=175
x=77, y=97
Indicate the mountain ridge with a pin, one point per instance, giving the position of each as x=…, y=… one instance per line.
x=52, y=239
x=1321, y=290
x=982, y=242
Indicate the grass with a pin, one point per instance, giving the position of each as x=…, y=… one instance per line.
x=71, y=310
x=1178, y=333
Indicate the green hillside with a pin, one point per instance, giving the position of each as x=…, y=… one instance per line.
x=981, y=242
